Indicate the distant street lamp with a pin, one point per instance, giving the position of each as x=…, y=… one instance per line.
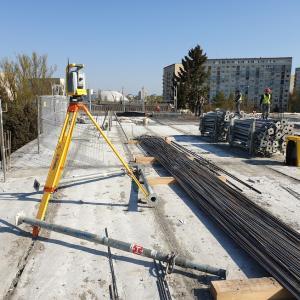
x=175, y=98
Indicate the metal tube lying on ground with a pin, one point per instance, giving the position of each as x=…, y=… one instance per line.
x=273, y=244
x=152, y=195
x=124, y=246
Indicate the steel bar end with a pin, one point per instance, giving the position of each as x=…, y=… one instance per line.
x=152, y=197
x=19, y=218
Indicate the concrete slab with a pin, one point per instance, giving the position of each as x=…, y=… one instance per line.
x=94, y=194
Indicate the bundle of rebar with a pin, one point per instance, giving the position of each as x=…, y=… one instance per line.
x=272, y=243
x=215, y=124
x=263, y=137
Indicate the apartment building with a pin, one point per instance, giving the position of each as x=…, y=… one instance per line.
x=249, y=75
x=168, y=75
x=297, y=80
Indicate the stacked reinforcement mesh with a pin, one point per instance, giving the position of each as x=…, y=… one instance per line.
x=215, y=124
x=263, y=137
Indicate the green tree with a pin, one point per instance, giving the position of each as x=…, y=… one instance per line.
x=294, y=102
x=192, y=78
x=247, y=104
x=21, y=80
x=154, y=99
x=230, y=101
x=220, y=100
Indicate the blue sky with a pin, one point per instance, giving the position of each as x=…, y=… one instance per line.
x=127, y=43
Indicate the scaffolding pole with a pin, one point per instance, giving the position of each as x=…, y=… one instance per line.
x=170, y=259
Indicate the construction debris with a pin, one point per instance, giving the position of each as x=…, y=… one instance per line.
x=272, y=243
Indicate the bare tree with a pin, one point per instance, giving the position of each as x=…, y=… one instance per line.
x=25, y=77
x=21, y=80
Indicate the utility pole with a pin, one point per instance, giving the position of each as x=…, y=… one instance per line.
x=38, y=100
x=90, y=92
x=143, y=98
x=175, y=97
x=2, y=143
x=123, y=102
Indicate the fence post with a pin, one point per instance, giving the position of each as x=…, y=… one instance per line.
x=251, y=144
x=2, y=144
x=38, y=122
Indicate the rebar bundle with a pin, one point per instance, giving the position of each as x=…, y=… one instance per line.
x=263, y=137
x=215, y=124
x=272, y=243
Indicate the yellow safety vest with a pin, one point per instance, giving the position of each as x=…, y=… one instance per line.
x=266, y=99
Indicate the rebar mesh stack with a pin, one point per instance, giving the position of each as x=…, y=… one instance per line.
x=215, y=124
x=263, y=137
x=273, y=244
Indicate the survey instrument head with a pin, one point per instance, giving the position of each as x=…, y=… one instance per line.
x=75, y=82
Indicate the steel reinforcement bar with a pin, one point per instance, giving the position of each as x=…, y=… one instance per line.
x=273, y=244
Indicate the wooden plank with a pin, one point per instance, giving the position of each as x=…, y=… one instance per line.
x=144, y=160
x=161, y=180
x=133, y=142
x=265, y=288
x=222, y=177
x=168, y=139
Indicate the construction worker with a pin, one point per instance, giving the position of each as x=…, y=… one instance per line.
x=238, y=101
x=157, y=107
x=265, y=102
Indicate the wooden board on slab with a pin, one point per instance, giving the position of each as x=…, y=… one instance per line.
x=160, y=180
x=265, y=288
x=145, y=160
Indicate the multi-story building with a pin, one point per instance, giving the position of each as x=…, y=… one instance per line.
x=249, y=75
x=168, y=75
x=297, y=81
x=142, y=94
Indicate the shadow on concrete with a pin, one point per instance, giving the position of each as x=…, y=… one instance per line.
x=133, y=198
x=10, y=228
x=264, y=162
x=24, y=197
x=132, y=205
x=218, y=149
x=89, y=180
x=27, y=196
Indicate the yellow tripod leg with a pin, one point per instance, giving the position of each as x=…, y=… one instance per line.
x=128, y=169
x=57, y=165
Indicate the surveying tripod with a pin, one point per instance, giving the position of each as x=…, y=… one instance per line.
x=64, y=141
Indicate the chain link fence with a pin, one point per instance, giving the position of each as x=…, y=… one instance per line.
x=87, y=148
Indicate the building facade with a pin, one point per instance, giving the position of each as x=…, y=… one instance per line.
x=168, y=75
x=249, y=75
x=297, y=81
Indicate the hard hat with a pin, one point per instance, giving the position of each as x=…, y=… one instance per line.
x=268, y=90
